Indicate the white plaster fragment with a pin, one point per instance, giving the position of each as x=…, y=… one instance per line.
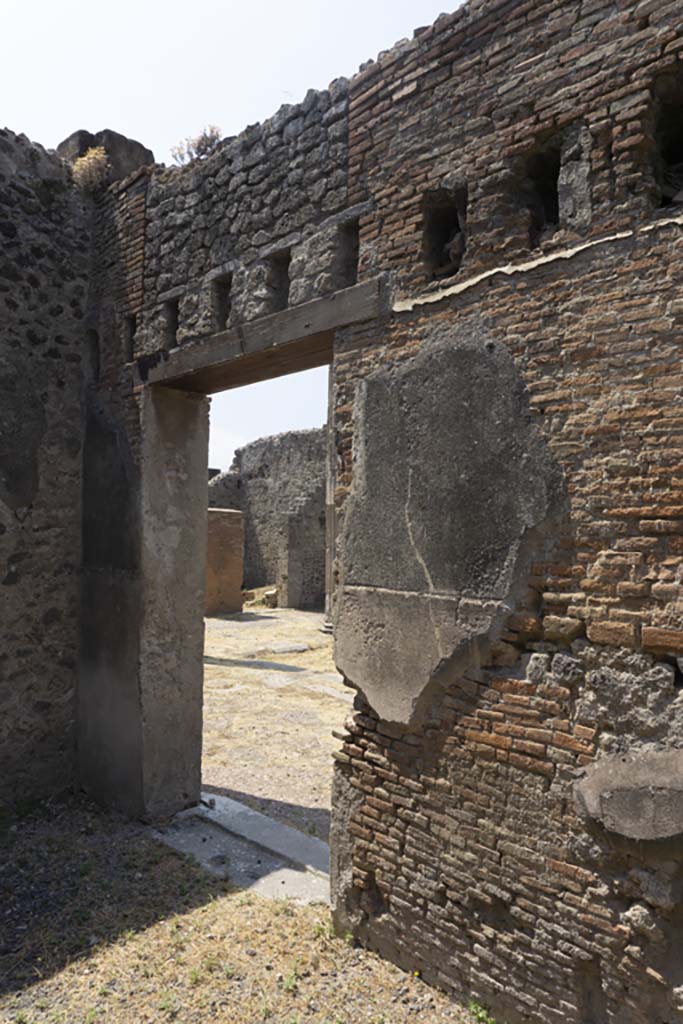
x=510, y=269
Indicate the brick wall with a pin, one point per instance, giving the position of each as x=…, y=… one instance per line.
x=117, y=280
x=459, y=851
x=469, y=863
x=471, y=98
x=224, y=561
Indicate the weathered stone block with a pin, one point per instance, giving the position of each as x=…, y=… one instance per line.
x=639, y=795
x=616, y=634
x=124, y=155
x=561, y=629
x=662, y=641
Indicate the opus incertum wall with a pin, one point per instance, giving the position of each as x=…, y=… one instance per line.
x=481, y=233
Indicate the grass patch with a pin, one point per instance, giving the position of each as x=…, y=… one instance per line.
x=100, y=923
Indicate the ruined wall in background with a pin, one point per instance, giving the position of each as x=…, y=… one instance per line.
x=279, y=484
x=45, y=242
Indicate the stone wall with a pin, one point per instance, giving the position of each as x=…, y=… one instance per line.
x=509, y=488
x=259, y=225
x=44, y=350
x=279, y=484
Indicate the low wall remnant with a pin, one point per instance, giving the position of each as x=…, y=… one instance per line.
x=224, y=561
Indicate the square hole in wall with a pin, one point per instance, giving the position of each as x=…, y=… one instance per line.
x=444, y=237
x=221, y=301
x=543, y=194
x=348, y=243
x=171, y=315
x=669, y=142
x=277, y=280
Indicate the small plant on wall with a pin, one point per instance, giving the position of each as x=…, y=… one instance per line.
x=91, y=170
x=479, y=1013
x=197, y=147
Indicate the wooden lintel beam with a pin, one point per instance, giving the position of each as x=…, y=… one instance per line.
x=285, y=342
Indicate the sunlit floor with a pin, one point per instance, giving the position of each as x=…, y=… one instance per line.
x=271, y=700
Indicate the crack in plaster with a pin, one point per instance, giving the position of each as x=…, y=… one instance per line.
x=411, y=538
x=421, y=561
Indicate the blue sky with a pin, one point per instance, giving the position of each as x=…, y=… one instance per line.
x=159, y=70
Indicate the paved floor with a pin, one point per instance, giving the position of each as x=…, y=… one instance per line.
x=272, y=697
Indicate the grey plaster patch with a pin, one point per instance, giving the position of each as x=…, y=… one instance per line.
x=347, y=802
x=638, y=796
x=454, y=491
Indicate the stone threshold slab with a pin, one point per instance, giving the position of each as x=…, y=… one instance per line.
x=244, y=864
x=306, y=851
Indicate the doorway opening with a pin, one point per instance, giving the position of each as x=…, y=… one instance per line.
x=272, y=696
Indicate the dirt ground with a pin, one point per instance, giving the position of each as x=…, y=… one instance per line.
x=100, y=924
x=272, y=697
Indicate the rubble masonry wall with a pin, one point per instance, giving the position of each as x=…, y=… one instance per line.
x=45, y=234
x=532, y=128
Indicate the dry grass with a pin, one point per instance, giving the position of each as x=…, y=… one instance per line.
x=99, y=923
x=90, y=171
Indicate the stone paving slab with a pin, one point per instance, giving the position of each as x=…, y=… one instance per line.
x=310, y=853
x=251, y=851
